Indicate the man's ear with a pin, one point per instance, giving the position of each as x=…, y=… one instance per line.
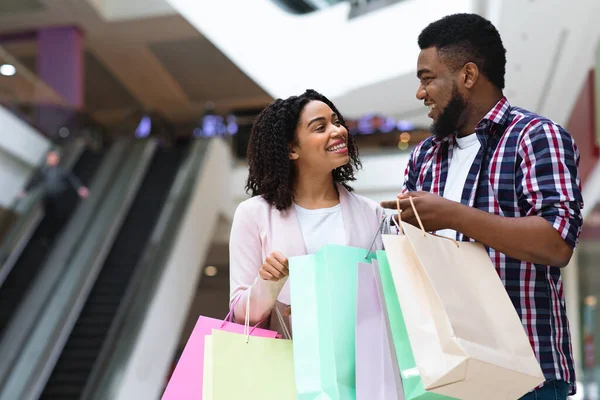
x=471, y=74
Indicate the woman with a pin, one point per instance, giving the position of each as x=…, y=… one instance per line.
x=301, y=159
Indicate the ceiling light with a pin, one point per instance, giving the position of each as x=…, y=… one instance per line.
x=210, y=270
x=8, y=70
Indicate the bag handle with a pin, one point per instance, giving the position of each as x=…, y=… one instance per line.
x=229, y=317
x=248, y=331
x=379, y=229
x=286, y=332
x=412, y=204
x=247, y=318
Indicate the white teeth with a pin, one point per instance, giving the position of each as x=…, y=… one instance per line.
x=337, y=147
x=431, y=107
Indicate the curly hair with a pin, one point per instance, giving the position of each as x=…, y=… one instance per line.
x=272, y=173
x=463, y=38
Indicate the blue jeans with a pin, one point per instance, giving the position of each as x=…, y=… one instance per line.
x=552, y=390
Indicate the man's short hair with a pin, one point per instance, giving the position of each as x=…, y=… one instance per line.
x=463, y=38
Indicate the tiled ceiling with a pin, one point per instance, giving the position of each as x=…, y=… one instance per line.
x=173, y=70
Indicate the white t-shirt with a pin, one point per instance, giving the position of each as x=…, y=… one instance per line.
x=321, y=226
x=463, y=156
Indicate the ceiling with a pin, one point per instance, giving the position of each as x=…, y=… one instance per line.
x=161, y=63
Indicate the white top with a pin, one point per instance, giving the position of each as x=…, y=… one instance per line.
x=463, y=156
x=321, y=226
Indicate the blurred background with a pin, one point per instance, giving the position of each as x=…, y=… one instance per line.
x=149, y=103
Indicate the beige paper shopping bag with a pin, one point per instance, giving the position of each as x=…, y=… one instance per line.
x=467, y=339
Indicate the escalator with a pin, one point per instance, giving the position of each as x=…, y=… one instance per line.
x=37, y=250
x=74, y=365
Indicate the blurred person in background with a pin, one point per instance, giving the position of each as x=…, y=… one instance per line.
x=301, y=159
x=54, y=181
x=499, y=175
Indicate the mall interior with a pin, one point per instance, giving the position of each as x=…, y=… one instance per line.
x=150, y=104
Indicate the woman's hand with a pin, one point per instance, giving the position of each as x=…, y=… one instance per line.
x=274, y=268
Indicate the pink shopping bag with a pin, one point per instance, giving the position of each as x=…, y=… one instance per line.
x=186, y=380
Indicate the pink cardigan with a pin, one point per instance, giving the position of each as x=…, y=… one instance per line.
x=259, y=229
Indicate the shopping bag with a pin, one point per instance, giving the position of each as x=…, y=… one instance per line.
x=207, y=377
x=466, y=336
x=251, y=367
x=377, y=373
x=411, y=379
x=323, y=298
x=186, y=382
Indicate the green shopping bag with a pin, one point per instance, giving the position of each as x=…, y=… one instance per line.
x=323, y=298
x=248, y=367
x=411, y=381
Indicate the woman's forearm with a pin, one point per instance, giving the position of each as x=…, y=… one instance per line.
x=263, y=295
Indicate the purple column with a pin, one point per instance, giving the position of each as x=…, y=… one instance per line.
x=60, y=62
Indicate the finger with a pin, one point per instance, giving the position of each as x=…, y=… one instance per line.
x=414, y=195
x=411, y=219
x=276, y=272
x=287, y=311
x=281, y=258
x=391, y=204
x=404, y=205
x=265, y=275
x=277, y=265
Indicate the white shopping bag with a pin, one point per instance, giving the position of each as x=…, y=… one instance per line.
x=467, y=338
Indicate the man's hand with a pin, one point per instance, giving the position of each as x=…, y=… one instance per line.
x=436, y=212
x=83, y=192
x=528, y=238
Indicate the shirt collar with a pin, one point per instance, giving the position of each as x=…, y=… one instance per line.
x=498, y=115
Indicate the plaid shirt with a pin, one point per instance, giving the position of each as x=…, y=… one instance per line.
x=527, y=165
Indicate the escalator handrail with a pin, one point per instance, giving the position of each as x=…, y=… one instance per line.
x=30, y=215
x=46, y=341
x=132, y=310
x=28, y=311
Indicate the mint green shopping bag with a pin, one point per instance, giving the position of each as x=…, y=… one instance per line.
x=323, y=298
x=411, y=381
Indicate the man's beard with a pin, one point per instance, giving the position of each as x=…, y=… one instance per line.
x=452, y=117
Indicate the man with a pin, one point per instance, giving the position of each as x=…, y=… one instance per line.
x=501, y=176
x=54, y=181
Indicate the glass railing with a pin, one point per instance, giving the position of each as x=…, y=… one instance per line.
x=107, y=372
x=23, y=214
x=58, y=312
x=28, y=310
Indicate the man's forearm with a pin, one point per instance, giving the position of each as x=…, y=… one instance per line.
x=530, y=239
x=75, y=181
